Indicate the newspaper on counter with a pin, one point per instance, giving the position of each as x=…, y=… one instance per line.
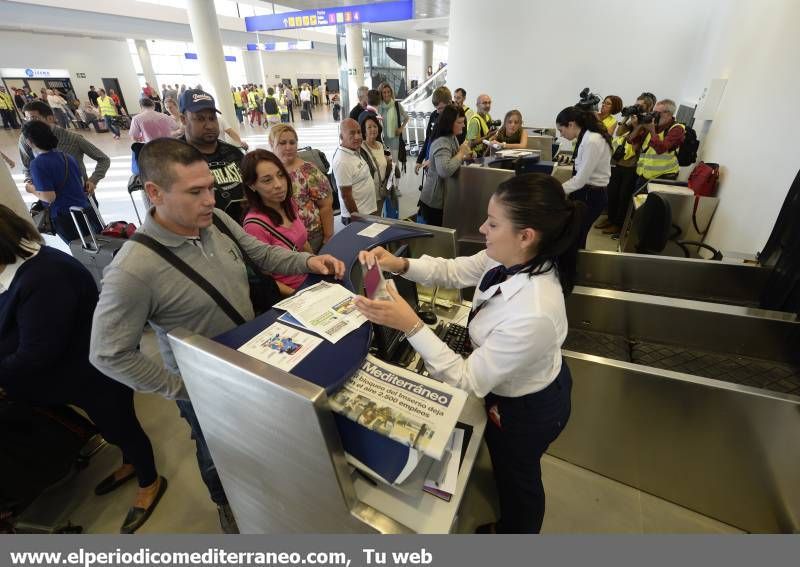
x=411, y=409
x=326, y=309
x=281, y=346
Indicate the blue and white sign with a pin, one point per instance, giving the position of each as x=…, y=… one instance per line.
x=33, y=73
x=281, y=46
x=383, y=12
x=194, y=56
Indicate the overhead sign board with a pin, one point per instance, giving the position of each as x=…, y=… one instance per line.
x=382, y=12
x=32, y=73
x=281, y=46
x=194, y=56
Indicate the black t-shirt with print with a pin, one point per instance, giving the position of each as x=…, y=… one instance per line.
x=224, y=164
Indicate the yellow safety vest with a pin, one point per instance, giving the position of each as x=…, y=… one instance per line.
x=5, y=102
x=107, y=106
x=652, y=165
x=479, y=150
x=237, y=98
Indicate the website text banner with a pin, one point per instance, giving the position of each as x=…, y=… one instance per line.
x=444, y=551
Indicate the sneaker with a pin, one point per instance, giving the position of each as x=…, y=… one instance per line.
x=226, y=519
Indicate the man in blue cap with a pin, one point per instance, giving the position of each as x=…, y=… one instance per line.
x=201, y=130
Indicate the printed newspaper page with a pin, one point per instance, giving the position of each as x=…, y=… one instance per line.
x=281, y=346
x=326, y=309
x=409, y=408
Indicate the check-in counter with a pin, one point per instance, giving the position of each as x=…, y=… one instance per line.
x=275, y=440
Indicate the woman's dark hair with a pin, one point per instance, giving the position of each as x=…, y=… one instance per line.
x=537, y=201
x=250, y=177
x=362, y=121
x=585, y=120
x=13, y=230
x=447, y=118
x=40, y=134
x=616, y=103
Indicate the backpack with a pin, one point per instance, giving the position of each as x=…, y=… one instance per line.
x=687, y=153
x=270, y=105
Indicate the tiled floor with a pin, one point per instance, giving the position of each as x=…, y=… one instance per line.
x=579, y=501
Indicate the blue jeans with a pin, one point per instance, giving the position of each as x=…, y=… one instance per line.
x=111, y=126
x=208, y=470
x=528, y=425
x=596, y=200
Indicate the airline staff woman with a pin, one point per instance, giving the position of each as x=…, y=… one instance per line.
x=517, y=325
x=592, y=168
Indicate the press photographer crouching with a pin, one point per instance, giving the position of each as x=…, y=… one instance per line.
x=592, y=168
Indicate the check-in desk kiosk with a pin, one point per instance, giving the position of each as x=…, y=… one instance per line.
x=279, y=449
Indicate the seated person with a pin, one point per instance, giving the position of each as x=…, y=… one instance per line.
x=511, y=136
x=272, y=214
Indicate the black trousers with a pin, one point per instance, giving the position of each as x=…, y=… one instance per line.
x=528, y=425
x=431, y=216
x=596, y=200
x=110, y=406
x=620, y=190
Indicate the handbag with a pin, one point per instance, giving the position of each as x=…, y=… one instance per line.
x=40, y=213
x=264, y=292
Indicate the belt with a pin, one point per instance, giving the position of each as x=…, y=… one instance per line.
x=594, y=187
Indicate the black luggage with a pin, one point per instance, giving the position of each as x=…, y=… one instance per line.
x=96, y=254
x=337, y=112
x=304, y=115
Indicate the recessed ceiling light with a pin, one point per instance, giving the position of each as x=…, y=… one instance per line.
x=423, y=14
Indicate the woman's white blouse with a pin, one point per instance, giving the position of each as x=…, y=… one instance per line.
x=517, y=336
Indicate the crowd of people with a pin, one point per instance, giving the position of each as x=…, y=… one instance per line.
x=219, y=209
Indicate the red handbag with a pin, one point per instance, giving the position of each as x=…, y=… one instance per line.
x=119, y=229
x=704, y=179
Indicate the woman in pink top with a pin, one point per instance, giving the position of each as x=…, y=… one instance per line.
x=272, y=214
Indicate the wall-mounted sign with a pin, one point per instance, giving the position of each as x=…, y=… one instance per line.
x=19, y=73
x=80, y=75
x=382, y=12
x=194, y=56
x=281, y=46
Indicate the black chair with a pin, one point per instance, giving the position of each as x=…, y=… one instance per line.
x=653, y=227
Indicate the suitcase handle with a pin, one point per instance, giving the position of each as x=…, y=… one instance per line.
x=72, y=211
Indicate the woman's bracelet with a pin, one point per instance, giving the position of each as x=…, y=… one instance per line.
x=415, y=329
x=402, y=270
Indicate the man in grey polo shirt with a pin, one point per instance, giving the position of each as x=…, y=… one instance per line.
x=352, y=174
x=140, y=287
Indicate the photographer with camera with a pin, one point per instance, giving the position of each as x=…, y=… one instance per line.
x=480, y=126
x=592, y=168
x=622, y=184
x=659, y=136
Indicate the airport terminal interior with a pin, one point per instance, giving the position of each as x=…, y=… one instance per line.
x=682, y=328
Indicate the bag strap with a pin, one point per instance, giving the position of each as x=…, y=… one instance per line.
x=220, y=224
x=190, y=273
x=274, y=232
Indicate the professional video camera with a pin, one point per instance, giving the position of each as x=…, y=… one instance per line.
x=588, y=101
x=642, y=117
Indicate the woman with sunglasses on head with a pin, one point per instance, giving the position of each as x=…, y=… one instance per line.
x=517, y=325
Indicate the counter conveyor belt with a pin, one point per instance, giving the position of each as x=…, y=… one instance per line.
x=758, y=373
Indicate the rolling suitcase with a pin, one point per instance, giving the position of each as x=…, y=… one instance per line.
x=304, y=115
x=95, y=256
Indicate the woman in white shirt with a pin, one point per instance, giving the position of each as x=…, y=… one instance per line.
x=376, y=155
x=517, y=325
x=592, y=168
x=59, y=106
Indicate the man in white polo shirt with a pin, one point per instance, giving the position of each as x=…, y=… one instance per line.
x=353, y=177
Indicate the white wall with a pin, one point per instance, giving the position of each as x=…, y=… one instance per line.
x=96, y=58
x=300, y=64
x=543, y=53
x=753, y=135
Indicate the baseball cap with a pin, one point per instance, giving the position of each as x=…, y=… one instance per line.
x=193, y=100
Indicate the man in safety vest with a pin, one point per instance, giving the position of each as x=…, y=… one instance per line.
x=478, y=128
x=108, y=110
x=7, y=110
x=659, y=141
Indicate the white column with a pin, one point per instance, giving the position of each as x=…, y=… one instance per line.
x=147, y=67
x=9, y=193
x=262, y=69
x=427, y=59
x=208, y=42
x=355, y=59
x=252, y=68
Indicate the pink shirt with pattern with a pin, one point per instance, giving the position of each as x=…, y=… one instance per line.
x=310, y=185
